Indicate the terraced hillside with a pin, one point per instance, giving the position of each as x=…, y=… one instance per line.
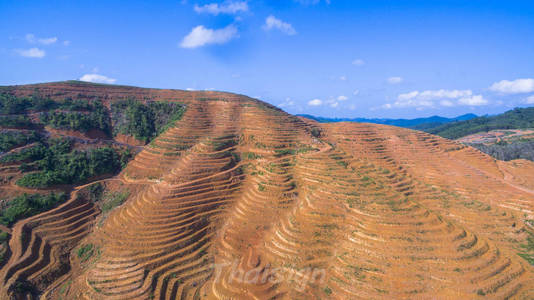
x=240, y=200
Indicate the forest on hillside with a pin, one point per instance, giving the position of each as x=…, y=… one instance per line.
x=518, y=118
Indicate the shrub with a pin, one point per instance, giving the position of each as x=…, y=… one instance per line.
x=508, y=151
x=85, y=252
x=10, y=104
x=72, y=168
x=13, y=139
x=20, y=121
x=113, y=200
x=4, y=237
x=144, y=121
x=97, y=118
x=29, y=205
x=316, y=132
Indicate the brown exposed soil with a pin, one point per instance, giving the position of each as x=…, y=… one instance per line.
x=127, y=139
x=239, y=200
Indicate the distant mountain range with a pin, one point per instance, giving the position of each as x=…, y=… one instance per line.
x=419, y=123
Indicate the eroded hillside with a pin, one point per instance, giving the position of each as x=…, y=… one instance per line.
x=240, y=200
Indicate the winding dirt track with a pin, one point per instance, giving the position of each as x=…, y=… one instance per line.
x=240, y=201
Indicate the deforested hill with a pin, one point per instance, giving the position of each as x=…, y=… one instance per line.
x=232, y=198
x=519, y=118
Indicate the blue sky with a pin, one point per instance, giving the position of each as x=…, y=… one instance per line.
x=331, y=58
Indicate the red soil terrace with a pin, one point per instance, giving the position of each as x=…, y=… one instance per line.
x=240, y=200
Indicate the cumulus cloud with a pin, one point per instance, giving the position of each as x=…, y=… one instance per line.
x=97, y=78
x=358, y=62
x=342, y=98
x=343, y=78
x=228, y=7
x=436, y=94
x=201, y=36
x=518, y=86
x=447, y=98
x=315, y=102
x=529, y=100
x=32, y=52
x=395, y=80
x=475, y=100
x=273, y=23
x=30, y=38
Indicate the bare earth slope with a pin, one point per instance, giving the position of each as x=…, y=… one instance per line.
x=241, y=200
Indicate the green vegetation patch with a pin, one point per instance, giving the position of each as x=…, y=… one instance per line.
x=17, y=121
x=12, y=139
x=144, y=121
x=527, y=250
x=508, y=151
x=85, y=252
x=519, y=118
x=110, y=200
x=10, y=104
x=97, y=117
x=29, y=205
x=73, y=167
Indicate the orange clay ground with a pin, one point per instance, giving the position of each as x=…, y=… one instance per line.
x=241, y=200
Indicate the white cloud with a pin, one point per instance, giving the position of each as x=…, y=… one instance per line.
x=32, y=52
x=66, y=43
x=412, y=103
x=30, y=38
x=529, y=100
x=446, y=103
x=356, y=92
x=273, y=23
x=315, y=102
x=436, y=94
x=525, y=85
x=448, y=98
x=395, y=80
x=334, y=102
x=228, y=7
x=201, y=36
x=288, y=102
x=475, y=100
x=408, y=96
x=358, y=62
x=47, y=41
x=97, y=78
x=342, y=78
